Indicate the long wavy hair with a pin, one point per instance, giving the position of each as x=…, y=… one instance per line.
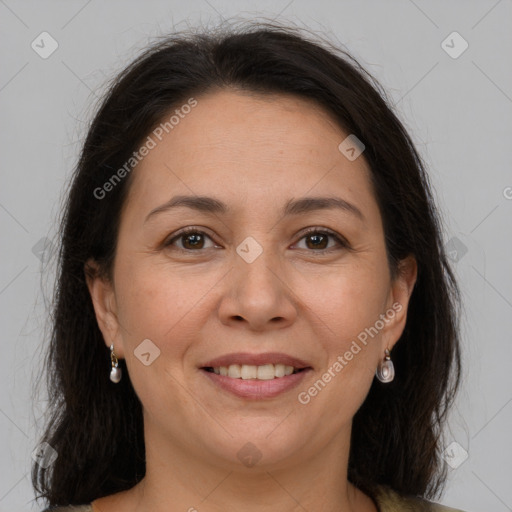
x=95, y=426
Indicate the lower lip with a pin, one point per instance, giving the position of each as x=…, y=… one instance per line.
x=257, y=389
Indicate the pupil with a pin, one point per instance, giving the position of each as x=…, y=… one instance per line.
x=317, y=240
x=193, y=240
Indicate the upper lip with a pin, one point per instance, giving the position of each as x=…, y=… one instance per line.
x=256, y=360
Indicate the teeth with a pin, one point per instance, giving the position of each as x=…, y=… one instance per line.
x=266, y=372
x=247, y=371
x=234, y=371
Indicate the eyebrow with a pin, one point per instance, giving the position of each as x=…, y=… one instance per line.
x=292, y=207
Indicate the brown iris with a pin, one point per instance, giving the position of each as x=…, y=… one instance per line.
x=320, y=241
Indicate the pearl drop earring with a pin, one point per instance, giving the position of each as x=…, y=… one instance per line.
x=115, y=372
x=386, y=370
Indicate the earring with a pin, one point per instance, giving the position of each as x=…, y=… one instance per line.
x=386, y=370
x=115, y=372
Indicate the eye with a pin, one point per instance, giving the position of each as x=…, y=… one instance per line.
x=190, y=239
x=318, y=240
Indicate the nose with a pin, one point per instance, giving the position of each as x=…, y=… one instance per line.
x=257, y=296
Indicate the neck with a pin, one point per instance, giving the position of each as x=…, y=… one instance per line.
x=194, y=482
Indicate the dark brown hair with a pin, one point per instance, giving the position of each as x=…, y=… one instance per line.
x=96, y=426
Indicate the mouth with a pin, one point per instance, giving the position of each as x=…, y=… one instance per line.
x=252, y=376
x=253, y=372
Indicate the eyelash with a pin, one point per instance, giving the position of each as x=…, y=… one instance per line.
x=310, y=231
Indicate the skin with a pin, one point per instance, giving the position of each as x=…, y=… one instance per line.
x=254, y=153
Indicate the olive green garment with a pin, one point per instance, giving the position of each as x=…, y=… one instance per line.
x=387, y=501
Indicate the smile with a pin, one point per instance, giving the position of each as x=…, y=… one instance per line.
x=247, y=371
x=248, y=388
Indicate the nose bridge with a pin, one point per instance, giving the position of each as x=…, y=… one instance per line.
x=257, y=292
x=256, y=267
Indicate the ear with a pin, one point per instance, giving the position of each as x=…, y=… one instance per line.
x=104, y=302
x=398, y=301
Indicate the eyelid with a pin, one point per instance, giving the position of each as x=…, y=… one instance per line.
x=342, y=242
x=185, y=231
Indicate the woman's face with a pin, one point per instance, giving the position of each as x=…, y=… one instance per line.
x=251, y=175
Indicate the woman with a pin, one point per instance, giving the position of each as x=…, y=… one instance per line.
x=254, y=309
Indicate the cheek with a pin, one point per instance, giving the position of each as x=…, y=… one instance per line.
x=161, y=306
x=158, y=301
x=150, y=307
x=346, y=307
x=346, y=300
x=168, y=307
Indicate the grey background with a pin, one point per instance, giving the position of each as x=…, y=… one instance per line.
x=457, y=109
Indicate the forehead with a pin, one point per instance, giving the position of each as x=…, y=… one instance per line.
x=249, y=147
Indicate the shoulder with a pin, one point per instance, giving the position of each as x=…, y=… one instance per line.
x=70, y=508
x=390, y=501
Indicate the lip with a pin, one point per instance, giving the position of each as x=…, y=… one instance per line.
x=256, y=360
x=254, y=389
